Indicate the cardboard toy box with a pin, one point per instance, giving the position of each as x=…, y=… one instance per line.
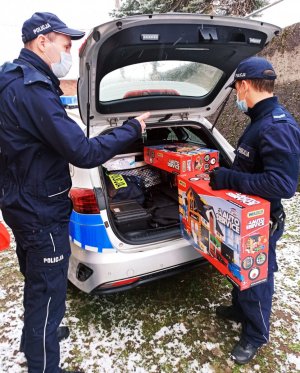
x=228, y=228
x=180, y=158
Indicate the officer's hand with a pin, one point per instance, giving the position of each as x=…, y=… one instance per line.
x=218, y=178
x=142, y=118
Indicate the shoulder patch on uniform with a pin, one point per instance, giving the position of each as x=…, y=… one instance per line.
x=278, y=114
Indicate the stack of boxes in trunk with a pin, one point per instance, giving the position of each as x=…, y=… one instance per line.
x=229, y=229
x=181, y=158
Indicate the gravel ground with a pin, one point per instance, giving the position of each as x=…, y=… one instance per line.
x=166, y=326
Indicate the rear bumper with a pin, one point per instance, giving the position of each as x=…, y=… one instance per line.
x=145, y=266
x=153, y=277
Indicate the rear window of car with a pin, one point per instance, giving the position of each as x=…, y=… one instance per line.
x=157, y=78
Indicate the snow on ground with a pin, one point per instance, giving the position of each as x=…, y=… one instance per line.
x=167, y=326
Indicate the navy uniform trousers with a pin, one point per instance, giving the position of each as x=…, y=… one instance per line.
x=43, y=258
x=254, y=304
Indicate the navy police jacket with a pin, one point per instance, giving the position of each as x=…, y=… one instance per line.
x=38, y=141
x=267, y=155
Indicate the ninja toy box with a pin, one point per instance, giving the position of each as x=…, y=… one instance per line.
x=228, y=228
x=180, y=158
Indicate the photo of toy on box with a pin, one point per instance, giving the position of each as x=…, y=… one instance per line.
x=228, y=228
x=180, y=158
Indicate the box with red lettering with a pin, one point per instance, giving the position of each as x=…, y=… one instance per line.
x=228, y=228
x=180, y=157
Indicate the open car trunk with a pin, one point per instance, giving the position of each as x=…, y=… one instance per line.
x=146, y=210
x=174, y=65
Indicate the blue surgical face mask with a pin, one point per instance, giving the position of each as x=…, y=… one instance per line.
x=241, y=104
x=61, y=69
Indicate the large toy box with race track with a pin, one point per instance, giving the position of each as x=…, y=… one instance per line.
x=228, y=228
x=181, y=157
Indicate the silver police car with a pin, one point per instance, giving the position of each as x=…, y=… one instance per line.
x=125, y=226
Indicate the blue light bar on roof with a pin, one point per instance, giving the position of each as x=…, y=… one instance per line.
x=69, y=101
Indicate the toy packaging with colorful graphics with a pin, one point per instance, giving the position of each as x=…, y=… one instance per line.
x=180, y=158
x=228, y=228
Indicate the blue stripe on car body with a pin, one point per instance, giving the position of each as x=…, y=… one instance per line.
x=89, y=232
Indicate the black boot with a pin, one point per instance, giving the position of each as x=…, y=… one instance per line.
x=63, y=332
x=243, y=352
x=71, y=371
x=229, y=313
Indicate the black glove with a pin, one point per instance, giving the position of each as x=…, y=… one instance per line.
x=219, y=178
x=211, y=174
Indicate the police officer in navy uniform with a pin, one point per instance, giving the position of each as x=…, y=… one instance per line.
x=267, y=165
x=37, y=142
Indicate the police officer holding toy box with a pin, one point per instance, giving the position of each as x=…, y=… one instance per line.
x=38, y=141
x=266, y=165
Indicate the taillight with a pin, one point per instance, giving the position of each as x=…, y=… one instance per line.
x=84, y=201
x=120, y=283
